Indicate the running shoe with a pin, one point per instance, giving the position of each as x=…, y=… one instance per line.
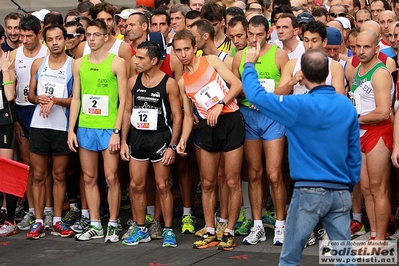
x=169, y=239
x=81, y=225
x=357, y=228
x=245, y=228
x=324, y=238
x=206, y=241
x=8, y=229
x=220, y=227
x=148, y=220
x=138, y=236
x=155, y=230
x=26, y=222
x=278, y=235
x=227, y=242
x=187, y=224
x=241, y=218
x=90, y=233
x=268, y=219
x=20, y=211
x=130, y=230
x=200, y=232
x=60, y=229
x=112, y=235
x=395, y=236
x=48, y=220
x=71, y=217
x=311, y=240
x=256, y=235
x=119, y=228
x=36, y=231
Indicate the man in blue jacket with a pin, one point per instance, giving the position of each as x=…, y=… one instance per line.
x=324, y=151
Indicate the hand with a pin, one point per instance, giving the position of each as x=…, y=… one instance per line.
x=298, y=77
x=5, y=62
x=72, y=141
x=125, y=152
x=252, y=53
x=213, y=115
x=168, y=157
x=395, y=157
x=43, y=99
x=114, y=143
x=45, y=109
x=181, y=147
x=19, y=133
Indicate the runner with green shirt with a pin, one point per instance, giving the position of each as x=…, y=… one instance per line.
x=263, y=134
x=99, y=93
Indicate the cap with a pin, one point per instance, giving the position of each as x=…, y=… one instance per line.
x=305, y=17
x=345, y=22
x=334, y=36
x=160, y=40
x=41, y=14
x=126, y=13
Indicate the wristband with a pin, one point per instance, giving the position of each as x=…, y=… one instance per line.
x=7, y=82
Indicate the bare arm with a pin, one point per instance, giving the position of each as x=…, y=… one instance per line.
x=32, y=97
x=391, y=64
x=176, y=67
x=349, y=72
x=382, y=83
x=395, y=152
x=132, y=71
x=288, y=80
x=8, y=76
x=188, y=119
x=125, y=52
x=75, y=105
x=126, y=125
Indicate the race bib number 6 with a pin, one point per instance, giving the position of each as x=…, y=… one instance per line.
x=95, y=105
x=209, y=96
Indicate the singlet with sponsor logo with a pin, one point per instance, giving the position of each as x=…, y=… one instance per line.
x=268, y=73
x=7, y=108
x=113, y=50
x=205, y=87
x=362, y=94
x=56, y=82
x=225, y=46
x=22, y=71
x=99, y=94
x=151, y=108
x=300, y=89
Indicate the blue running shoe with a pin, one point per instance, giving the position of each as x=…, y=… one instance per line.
x=138, y=236
x=169, y=239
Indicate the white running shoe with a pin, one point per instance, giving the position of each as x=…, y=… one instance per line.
x=278, y=235
x=256, y=235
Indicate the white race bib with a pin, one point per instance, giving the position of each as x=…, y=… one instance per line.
x=95, y=105
x=209, y=96
x=268, y=84
x=23, y=90
x=144, y=119
x=51, y=88
x=300, y=90
x=1, y=100
x=355, y=99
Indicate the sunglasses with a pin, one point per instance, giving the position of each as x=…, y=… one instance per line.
x=72, y=35
x=335, y=15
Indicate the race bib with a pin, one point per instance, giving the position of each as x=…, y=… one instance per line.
x=209, y=96
x=1, y=100
x=362, y=132
x=355, y=99
x=23, y=90
x=95, y=105
x=300, y=90
x=144, y=119
x=268, y=84
x=51, y=88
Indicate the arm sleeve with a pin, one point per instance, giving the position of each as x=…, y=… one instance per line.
x=283, y=109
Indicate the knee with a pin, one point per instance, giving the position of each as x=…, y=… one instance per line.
x=59, y=177
x=163, y=188
x=112, y=180
x=234, y=183
x=275, y=177
x=137, y=187
x=208, y=185
x=255, y=173
x=38, y=176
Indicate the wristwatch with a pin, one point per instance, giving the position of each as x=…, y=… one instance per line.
x=173, y=147
x=222, y=102
x=116, y=131
x=52, y=98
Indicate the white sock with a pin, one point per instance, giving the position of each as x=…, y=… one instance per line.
x=85, y=213
x=373, y=234
x=151, y=210
x=280, y=223
x=210, y=230
x=357, y=217
x=39, y=221
x=96, y=224
x=258, y=223
x=231, y=232
x=4, y=209
x=113, y=223
x=56, y=219
x=32, y=210
x=221, y=220
x=186, y=211
x=48, y=209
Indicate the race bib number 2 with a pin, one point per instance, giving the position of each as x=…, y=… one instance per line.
x=95, y=105
x=209, y=96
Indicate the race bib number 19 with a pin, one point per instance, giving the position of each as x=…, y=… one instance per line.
x=209, y=95
x=95, y=105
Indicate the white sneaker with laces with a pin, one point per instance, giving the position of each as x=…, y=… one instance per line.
x=278, y=235
x=112, y=235
x=256, y=235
